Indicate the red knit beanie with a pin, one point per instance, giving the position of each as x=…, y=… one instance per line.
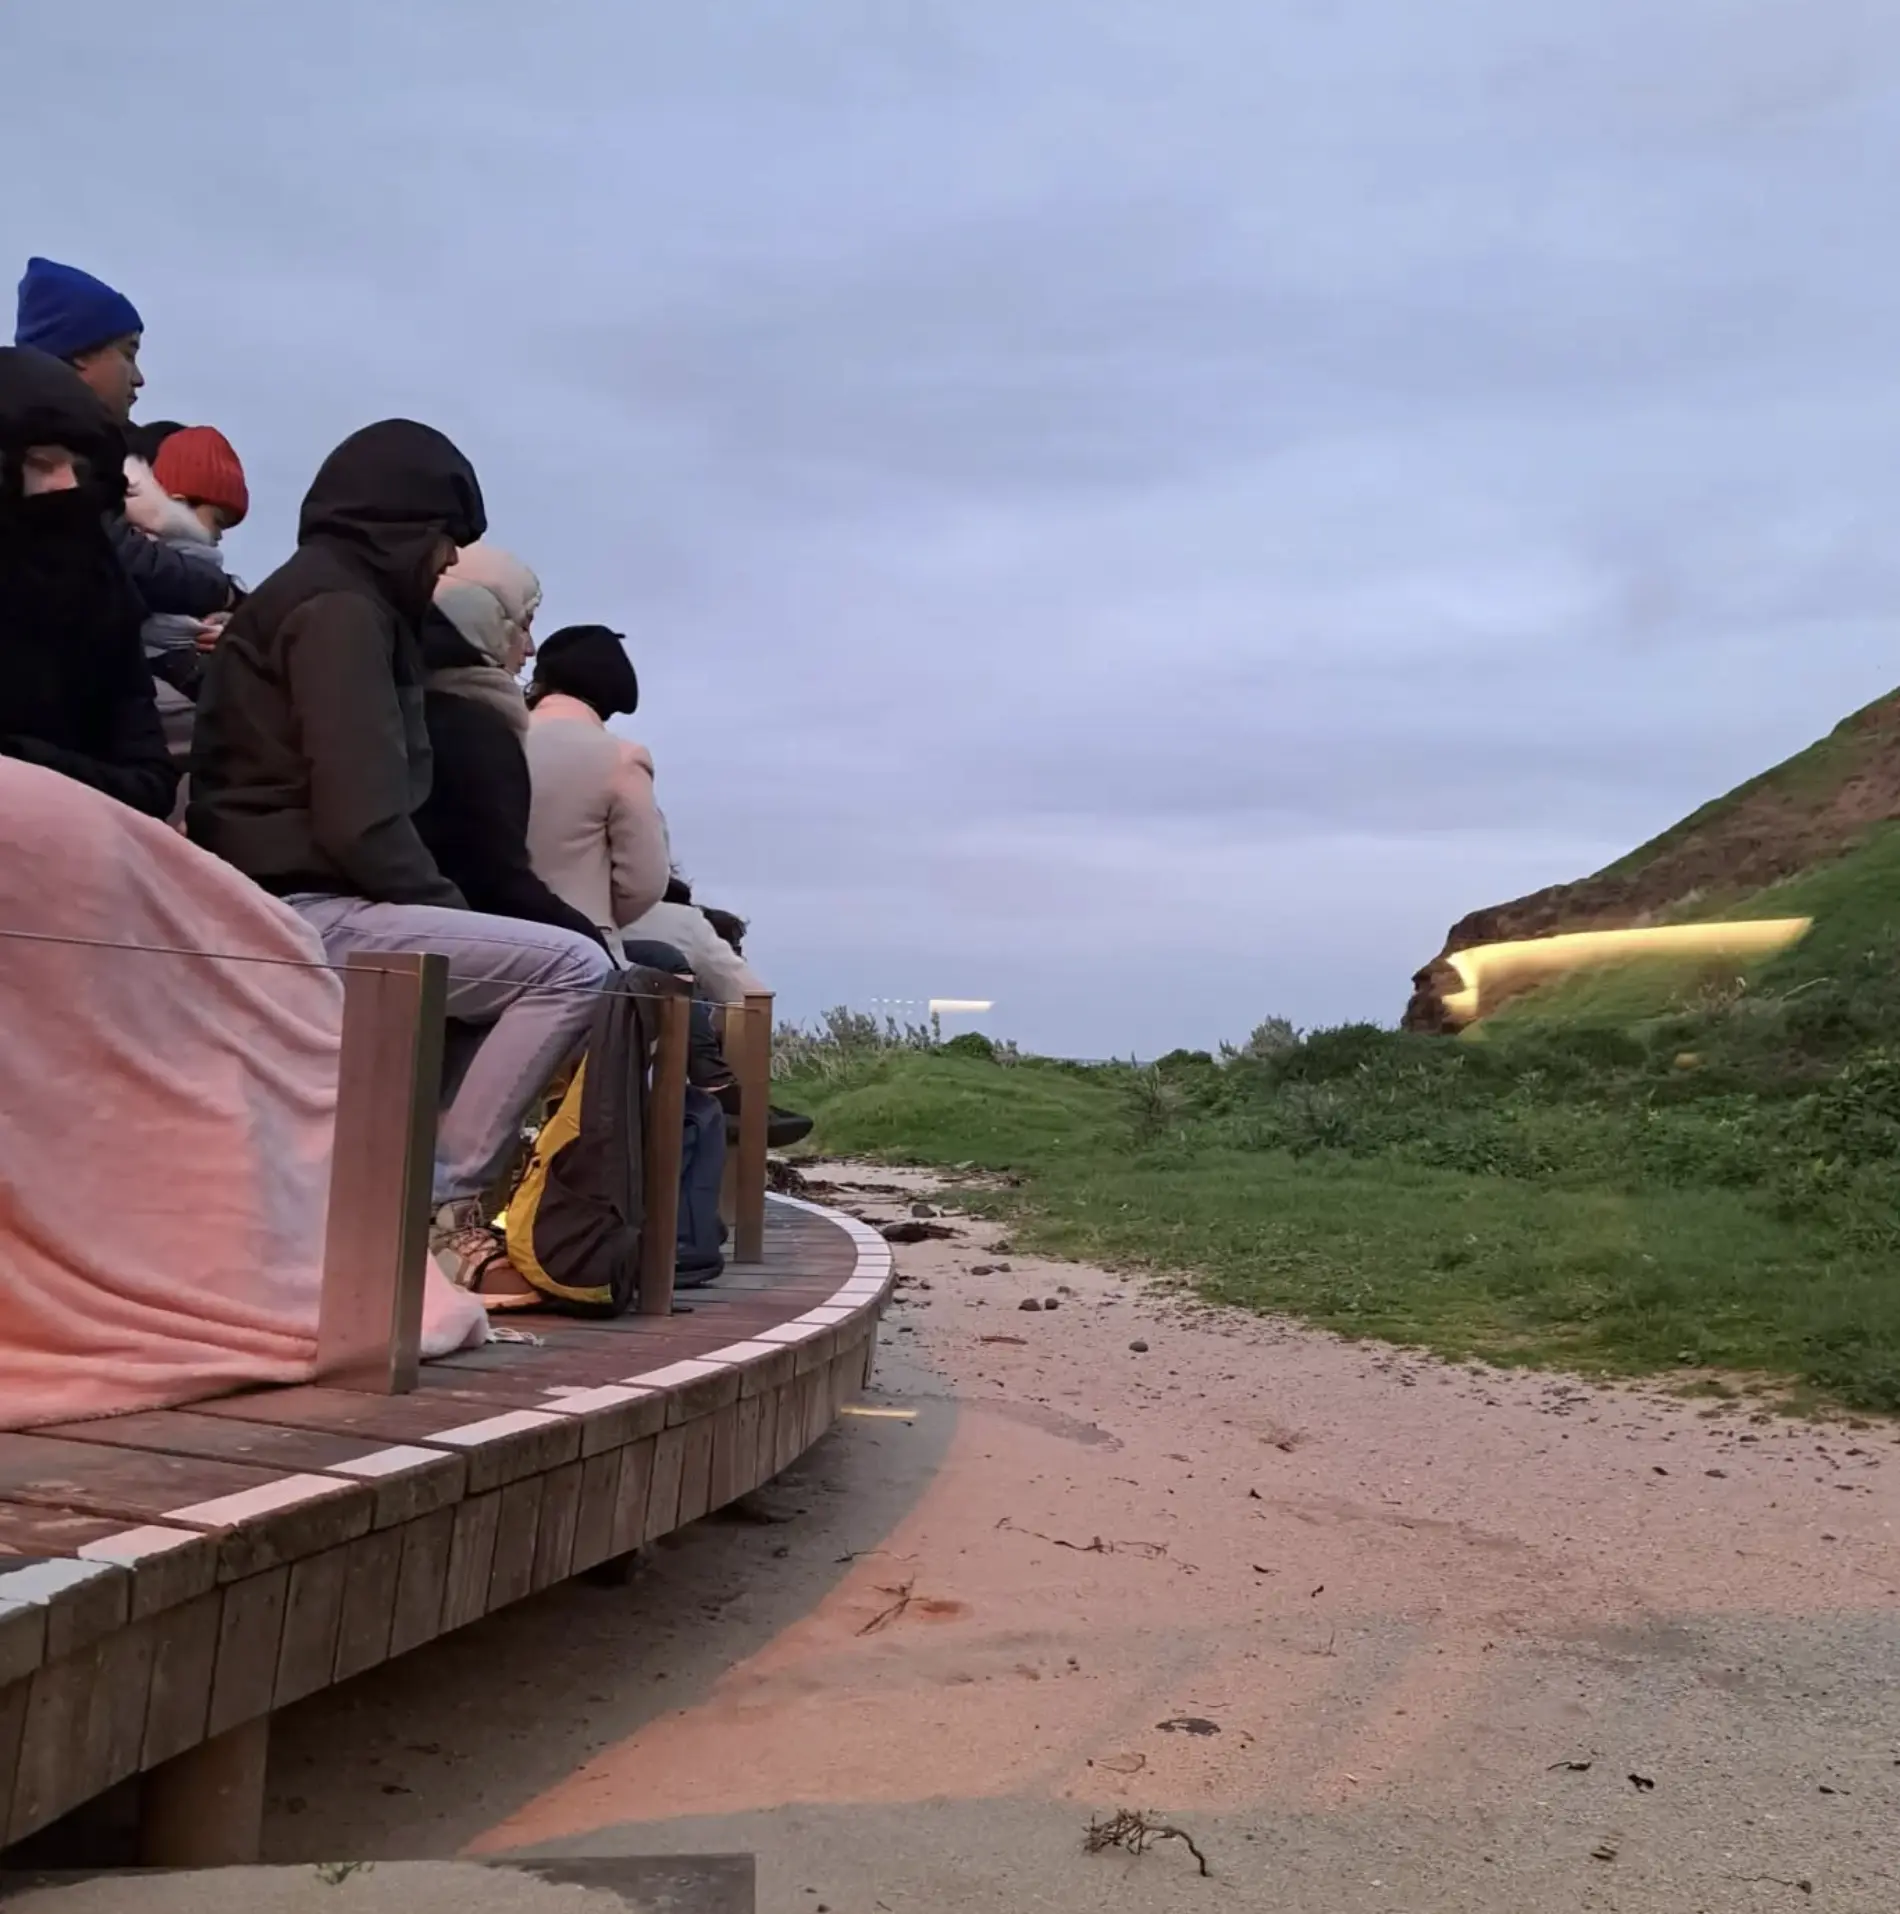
x=198, y=465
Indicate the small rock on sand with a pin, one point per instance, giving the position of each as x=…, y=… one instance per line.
x=1029, y=1302
x=1139, y=1347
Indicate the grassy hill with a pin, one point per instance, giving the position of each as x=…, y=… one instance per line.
x=1763, y=850
x=1630, y=1172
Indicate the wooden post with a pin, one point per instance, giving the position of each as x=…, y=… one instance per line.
x=753, y=1067
x=376, y=1240
x=665, y=1133
x=205, y=1807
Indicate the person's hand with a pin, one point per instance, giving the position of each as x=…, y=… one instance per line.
x=211, y=629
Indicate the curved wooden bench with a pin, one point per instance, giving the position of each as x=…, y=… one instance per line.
x=167, y=1580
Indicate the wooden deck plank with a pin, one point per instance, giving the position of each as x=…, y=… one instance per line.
x=13, y=1701
x=250, y=1633
x=313, y=1618
x=421, y=1581
x=184, y=1659
x=518, y=1523
x=91, y=1478
x=185, y=1432
x=370, y=1582
x=599, y=1504
x=264, y=1516
x=696, y=1466
x=703, y=1396
x=554, y=1537
x=22, y=1646
x=730, y=1432
x=115, y=1735
x=385, y=1420
x=663, y=1489
x=471, y=1560
x=761, y=1376
x=52, y=1748
x=765, y=1455
x=404, y=1487
x=815, y=1352
x=515, y=1444
x=633, y=1495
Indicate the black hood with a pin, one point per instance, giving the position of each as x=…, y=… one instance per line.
x=389, y=492
x=43, y=401
x=588, y=662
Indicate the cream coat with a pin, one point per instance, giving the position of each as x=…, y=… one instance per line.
x=595, y=834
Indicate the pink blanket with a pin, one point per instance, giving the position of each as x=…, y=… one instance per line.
x=164, y=1120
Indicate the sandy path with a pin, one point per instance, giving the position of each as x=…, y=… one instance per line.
x=1338, y=1611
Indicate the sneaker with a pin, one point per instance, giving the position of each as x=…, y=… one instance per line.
x=462, y=1243
x=783, y=1128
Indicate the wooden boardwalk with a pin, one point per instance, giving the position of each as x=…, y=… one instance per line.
x=167, y=1580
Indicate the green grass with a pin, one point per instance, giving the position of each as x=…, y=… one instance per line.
x=1628, y=1171
x=1713, y=1186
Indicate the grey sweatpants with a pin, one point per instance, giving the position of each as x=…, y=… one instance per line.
x=531, y=985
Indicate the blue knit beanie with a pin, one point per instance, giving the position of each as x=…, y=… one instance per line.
x=66, y=312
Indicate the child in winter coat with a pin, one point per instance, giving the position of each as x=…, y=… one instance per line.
x=191, y=494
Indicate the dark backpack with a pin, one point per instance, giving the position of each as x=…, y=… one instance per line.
x=574, y=1218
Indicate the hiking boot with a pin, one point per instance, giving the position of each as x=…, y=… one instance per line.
x=462, y=1243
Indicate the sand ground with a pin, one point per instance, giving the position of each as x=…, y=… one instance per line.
x=1378, y=1633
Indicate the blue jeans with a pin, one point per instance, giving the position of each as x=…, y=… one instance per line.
x=530, y=987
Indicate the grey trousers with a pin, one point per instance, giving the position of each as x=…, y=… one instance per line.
x=531, y=987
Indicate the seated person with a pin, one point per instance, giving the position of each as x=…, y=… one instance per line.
x=716, y=963
x=710, y=942
x=187, y=498
x=311, y=758
x=98, y=332
x=75, y=694
x=171, y=1119
x=595, y=832
x=475, y=818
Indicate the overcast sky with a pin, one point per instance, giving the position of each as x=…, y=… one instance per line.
x=1145, y=512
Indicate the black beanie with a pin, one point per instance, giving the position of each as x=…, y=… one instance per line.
x=588, y=662
x=143, y=441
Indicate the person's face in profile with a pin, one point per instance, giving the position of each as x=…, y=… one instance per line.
x=112, y=372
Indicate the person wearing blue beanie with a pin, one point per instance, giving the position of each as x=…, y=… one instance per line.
x=82, y=320
x=70, y=315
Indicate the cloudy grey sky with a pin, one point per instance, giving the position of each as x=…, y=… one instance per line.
x=1141, y=511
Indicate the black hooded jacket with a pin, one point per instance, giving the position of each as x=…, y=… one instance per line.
x=475, y=819
x=75, y=692
x=310, y=756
